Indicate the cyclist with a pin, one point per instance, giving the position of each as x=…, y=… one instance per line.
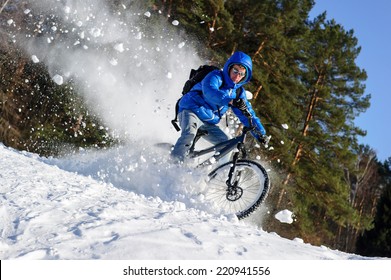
x=206, y=103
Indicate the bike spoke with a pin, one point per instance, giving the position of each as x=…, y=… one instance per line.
x=249, y=191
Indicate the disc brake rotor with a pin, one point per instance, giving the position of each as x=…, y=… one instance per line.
x=234, y=193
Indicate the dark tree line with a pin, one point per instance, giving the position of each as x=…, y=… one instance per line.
x=304, y=75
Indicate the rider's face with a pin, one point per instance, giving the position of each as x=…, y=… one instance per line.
x=237, y=73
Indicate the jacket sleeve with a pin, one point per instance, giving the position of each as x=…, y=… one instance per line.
x=212, y=91
x=256, y=121
x=206, y=115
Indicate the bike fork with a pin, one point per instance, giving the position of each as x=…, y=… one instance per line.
x=232, y=182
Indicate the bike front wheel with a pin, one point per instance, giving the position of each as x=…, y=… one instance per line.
x=242, y=196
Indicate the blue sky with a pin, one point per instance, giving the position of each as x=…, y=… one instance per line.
x=371, y=23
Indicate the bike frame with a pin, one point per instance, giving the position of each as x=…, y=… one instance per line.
x=222, y=149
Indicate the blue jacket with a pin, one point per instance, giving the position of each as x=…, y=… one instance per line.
x=210, y=98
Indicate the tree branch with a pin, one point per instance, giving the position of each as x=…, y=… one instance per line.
x=5, y=4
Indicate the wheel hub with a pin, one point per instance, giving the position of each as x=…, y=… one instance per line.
x=234, y=193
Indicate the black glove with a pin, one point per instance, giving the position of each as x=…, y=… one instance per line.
x=241, y=105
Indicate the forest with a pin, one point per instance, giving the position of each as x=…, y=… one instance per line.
x=304, y=74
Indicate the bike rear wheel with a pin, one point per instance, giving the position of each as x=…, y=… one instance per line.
x=252, y=183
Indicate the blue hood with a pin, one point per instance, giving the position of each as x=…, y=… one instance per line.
x=238, y=58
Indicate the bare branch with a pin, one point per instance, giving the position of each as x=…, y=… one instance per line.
x=5, y=4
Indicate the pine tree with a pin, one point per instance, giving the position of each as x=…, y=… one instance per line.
x=324, y=148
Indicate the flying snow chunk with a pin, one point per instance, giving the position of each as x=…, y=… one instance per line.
x=212, y=160
x=175, y=22
x=27, y=11
x=285, y=216
x=169, y=75
x=119, y=47
x=179, y=206
x=34, y=58
x=285, y=126
x=10, y=21
x=67, y=10
x=113, y=62
x=147, y=14
x=58, y=79
x=181, y=45
x=95, y=32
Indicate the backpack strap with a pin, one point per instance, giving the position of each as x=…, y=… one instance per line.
x=174, y=122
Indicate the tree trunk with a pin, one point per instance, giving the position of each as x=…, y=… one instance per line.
x=310, y=113
x=257, y=92
x=260, y=48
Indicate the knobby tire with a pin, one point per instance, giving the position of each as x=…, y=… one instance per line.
x=254, y=181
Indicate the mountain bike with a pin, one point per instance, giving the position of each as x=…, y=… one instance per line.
x=238, y=186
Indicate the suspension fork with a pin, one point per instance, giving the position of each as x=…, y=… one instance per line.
x=233, y=183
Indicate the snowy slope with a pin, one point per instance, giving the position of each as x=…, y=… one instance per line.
x=48, y=211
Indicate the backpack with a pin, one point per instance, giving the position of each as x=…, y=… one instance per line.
x=195, y=77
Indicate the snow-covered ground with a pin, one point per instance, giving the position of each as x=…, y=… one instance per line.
x=127, y=204
x=50, y=211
